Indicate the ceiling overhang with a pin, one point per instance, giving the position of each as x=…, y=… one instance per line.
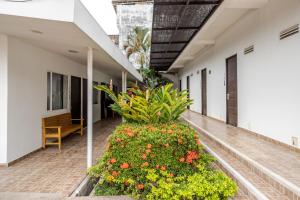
x=175, y=23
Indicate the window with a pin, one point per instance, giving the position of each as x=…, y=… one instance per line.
x=95, y=94
x=57, y=91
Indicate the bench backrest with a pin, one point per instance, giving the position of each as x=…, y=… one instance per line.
x=58, y=120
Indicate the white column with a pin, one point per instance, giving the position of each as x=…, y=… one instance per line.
x=90, y=107
x=124, y=84
x=124, y=81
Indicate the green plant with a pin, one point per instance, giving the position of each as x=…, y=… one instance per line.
x=162, y=104
x=159, y=161
x=138, y=48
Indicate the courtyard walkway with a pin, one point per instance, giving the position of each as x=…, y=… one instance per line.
x=255, y=157
x=48, y=171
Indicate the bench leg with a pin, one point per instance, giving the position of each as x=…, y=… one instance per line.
x=81, y=131
x=59, y=144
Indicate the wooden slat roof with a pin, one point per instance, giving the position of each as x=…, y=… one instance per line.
x=175, y=23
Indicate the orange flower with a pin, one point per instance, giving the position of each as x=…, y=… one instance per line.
x=167, y=145
x=170, y=131
x=148, y=151
x=163, y=168
x=157, y=166
x=198, y=141
x=140, y=186
x=125, y=166
x=144, y=156
x=191, y=155
x=145, y=164
x=113, y=160
x=171, y=175
x=118, y=140
x=114, y=173
x=163, y=131
x=180, y=141
x=126, y=183
x=181, y=160
x=149, y=146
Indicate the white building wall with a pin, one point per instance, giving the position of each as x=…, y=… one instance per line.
x=27, y=93
x=268, y=78
x=3, y=98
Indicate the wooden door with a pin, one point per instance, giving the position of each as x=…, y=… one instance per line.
x=204, y=91
x=180, y=87
x=84, y=102
x=231, y=91
x=188, y=87
x=75, y=98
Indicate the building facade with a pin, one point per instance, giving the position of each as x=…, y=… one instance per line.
x=249, y=74
x=132, y=13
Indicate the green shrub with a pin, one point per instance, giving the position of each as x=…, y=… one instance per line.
x=159, y=105
x=159, y=161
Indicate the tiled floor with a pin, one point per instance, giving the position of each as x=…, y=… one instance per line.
x=48, y=171
x=277, y=158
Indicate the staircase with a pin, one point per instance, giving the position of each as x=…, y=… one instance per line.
x=254, y=180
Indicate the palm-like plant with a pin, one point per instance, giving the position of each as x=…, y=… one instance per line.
x=162, y=104
x=138, y=49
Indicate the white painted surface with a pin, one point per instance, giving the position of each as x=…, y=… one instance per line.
x=27, y=96
x=65, y=24
x=268, y=78
x=3, y=98
x=90, y=107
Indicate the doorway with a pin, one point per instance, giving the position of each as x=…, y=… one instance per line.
x=84, y=102
x=231, y=91
x=188, y=88
x=75, y=98
x=204, y=91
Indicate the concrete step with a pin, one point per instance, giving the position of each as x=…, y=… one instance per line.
x=256, y=180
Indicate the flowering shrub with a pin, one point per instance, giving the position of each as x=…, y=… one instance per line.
x=159, y=161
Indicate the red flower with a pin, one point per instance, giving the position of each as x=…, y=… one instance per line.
x=144, y=156
x=113, y=160
x=149, y=146
x=181, y=160
x=125, y=166
x=145, y=164
x=163, y=168
x=140, y=186
x=114, y=173
x=157, y=166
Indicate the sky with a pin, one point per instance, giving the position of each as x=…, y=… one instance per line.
x=104, y=13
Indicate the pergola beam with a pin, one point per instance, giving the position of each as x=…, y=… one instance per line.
x=183, y=3
x=174, y=28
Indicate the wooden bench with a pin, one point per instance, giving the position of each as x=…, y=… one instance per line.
x=59, y=126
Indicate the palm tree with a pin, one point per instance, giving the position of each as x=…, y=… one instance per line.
x=138, y=49
x=138, y=52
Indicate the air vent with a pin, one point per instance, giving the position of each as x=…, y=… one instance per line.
x=249, y=49
x=289, y=32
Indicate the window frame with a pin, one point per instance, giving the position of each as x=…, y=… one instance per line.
x=51, y=92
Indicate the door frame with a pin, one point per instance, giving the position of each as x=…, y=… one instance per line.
x=227, y=100
x=202, y=94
